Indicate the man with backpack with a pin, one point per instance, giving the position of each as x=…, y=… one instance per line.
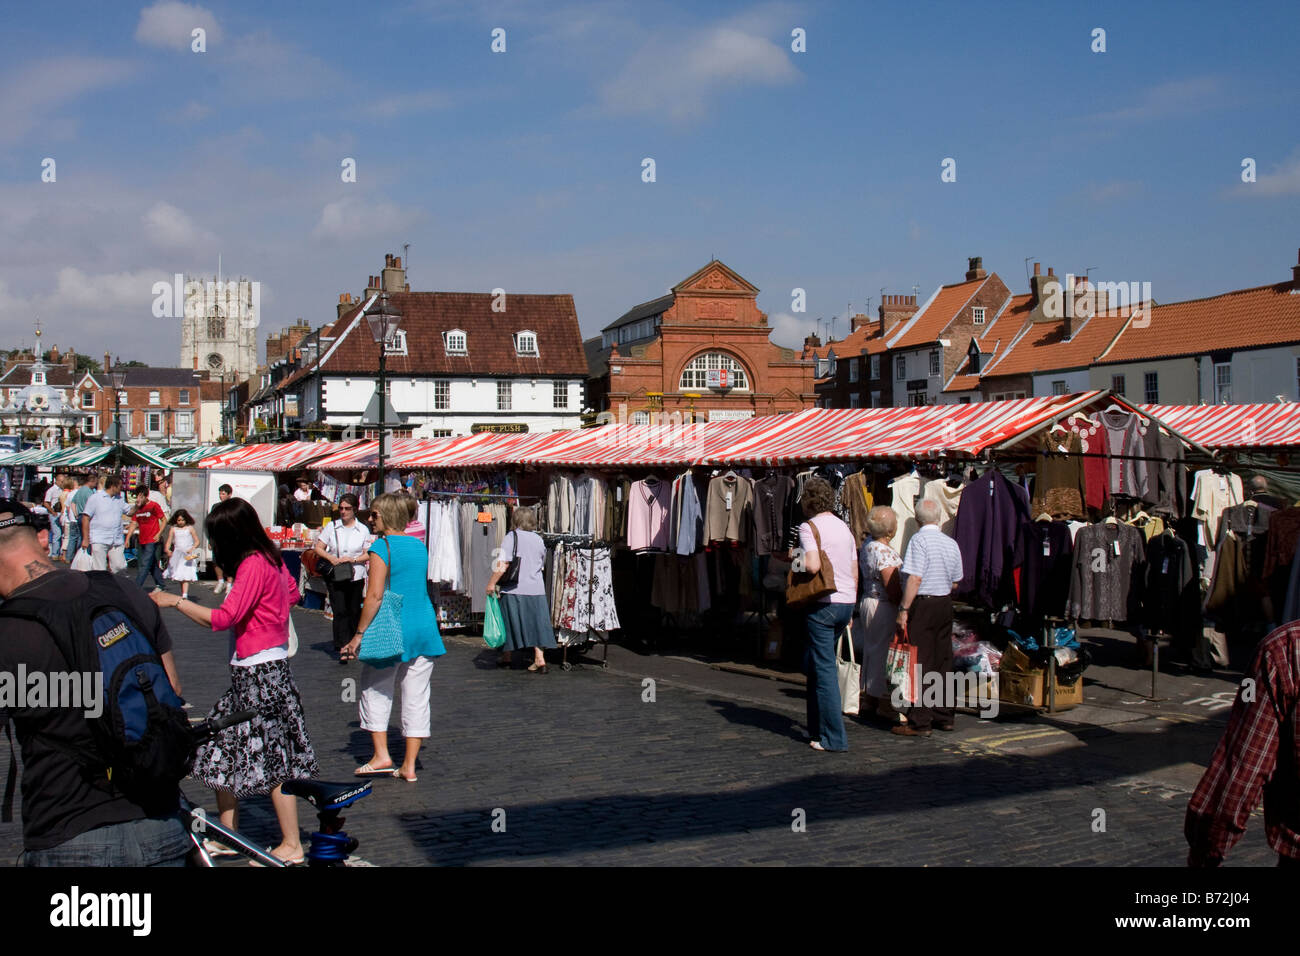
x=92, y=795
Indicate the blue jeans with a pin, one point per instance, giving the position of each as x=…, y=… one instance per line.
x=825, y=720
x=74, y=539
x=56, y=536
x=147, y=555
x=160, y=841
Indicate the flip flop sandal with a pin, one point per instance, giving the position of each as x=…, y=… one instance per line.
x=214, y=848
x=298, y=862
x=365, y=770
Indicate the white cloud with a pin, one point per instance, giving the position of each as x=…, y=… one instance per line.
x=171, y=228
x=679, y=72
x=789, y=331
x=103, y=292
x=170, y=25
x=403, y=104
x=1169, y=99
x=191, y=113
x=354, y=218
x=29, y=97
x=1283, y=180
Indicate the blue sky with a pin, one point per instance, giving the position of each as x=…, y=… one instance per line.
x=522, y=170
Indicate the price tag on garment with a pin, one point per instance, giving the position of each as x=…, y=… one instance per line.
x=728, y=500
x=1200, y=533
x=618, y=493
x=1164, y=568
x=1223, y=485
x=990, y=489
x=485, y=517
x=1117, y=549
x=1047, y=549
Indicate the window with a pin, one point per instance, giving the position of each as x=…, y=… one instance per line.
x=153, y=423
x=964, y=400
x=88, y=398
x=441, y=395
x=640, y=418
x=561, y=391
x=1151, y=387
x=1222, y=383
x=1117, y=384
x=875, y=367
x=900, y=367
x=934, y=363
x=853, y=369
x=155, y=398
x=696, y=373
x=1297, y=377
x=916, y=399
x=456, y=342
x=875, y=400
x=91, y=425
x=185, y=396
x=855, y=400
x=440, y=433
x=1058, y=387
x=505, y=391
x=184, y=423
x=526, y=343
x=397, y=344
x=977, y=315
x=216, y=328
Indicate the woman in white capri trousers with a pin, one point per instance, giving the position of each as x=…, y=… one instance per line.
x=879, y=588
x=398, y=562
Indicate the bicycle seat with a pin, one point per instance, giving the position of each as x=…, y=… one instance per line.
x=327, y=796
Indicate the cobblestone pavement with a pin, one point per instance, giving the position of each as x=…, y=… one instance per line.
x=582, y=770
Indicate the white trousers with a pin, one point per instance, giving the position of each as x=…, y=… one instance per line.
x=378, y=685
x=872, y=632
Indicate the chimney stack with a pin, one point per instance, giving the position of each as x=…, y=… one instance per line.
x=812, y=342
x=975, y=268
x=894, y=310
x=857, y=321
x=394, y=277
x=1295, y=273
x=106, y=362
x=345, y=303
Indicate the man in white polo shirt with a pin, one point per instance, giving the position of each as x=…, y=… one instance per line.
x=101, y=522
x=932, y=565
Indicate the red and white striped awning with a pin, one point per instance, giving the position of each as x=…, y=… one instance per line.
x=365, y=454
x=275, y=457
x=1234, y=426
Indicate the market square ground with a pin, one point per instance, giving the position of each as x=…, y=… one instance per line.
x=714, y=770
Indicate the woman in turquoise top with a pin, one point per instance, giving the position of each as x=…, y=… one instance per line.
x=398, y=562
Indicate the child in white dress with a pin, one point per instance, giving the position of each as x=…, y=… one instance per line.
x=182, y=550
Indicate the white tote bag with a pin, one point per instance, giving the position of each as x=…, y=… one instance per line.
x=117, y=558
x=849, y=673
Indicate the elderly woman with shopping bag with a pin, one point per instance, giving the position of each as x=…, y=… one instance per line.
x=518, y=579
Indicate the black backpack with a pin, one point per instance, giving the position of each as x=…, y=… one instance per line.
x=143, y=744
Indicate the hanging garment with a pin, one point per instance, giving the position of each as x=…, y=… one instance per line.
x=1048, y=549
x=989, y=528
x=1212, y=494
x=794, y=513
x=1126, y=445
x=948, y=499
x=858, y=501
x=1171, y=473
x=1291, y=605
x=1172, y=598
x=485, y=539
x=587, y=610
x=1059, y=480
x=688, y=529
x=906, y=490
x=650, y=501
x=1096, y=461
x=730, y=510
x=772, y=496
x=559, y=504
x=1109, y=567
x=1231, y=581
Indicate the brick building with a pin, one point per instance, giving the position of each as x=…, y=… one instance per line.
x=702, y=349
x=158, y=406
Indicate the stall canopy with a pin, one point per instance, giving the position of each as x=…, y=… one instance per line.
x=186, y=456
x=283, y=457
x=84, y=456
x=810, y=435
x=1234, y=426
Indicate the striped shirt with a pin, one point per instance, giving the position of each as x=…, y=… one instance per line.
x=935, y=557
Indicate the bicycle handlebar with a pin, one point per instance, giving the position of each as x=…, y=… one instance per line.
x=207, y=729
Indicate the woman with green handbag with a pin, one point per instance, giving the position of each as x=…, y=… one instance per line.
x=396, y=640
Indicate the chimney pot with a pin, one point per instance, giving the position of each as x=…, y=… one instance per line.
x=397, y=262
x=1051, y=271
x=1038, y=268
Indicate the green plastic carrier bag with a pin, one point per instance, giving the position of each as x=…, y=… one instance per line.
x=494, y=626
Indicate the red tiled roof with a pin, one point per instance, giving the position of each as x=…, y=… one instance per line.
x=1247, y=318
x=489, y=336
x=928, y=324
x=1043, y=346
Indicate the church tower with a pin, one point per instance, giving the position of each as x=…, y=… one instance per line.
x=219, y=329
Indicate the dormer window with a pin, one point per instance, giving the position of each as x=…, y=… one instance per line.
x=526, y=343
x=397, y=344
x=974, y=355
x=977, y=315
x=456, y=342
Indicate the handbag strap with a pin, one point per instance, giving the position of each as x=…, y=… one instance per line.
x=388, y=578
x=847, y=634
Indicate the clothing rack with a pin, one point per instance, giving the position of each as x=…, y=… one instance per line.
x=558, y=537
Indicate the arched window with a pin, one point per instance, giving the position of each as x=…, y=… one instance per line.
x=216, y=325
x=696, y=373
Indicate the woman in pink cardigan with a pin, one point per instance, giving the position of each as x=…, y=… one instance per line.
x=257, y=756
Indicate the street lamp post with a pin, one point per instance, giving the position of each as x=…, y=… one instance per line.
x=383, y=321
x=117, y=378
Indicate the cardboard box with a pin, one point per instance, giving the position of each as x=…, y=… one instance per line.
x=1029, y=689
